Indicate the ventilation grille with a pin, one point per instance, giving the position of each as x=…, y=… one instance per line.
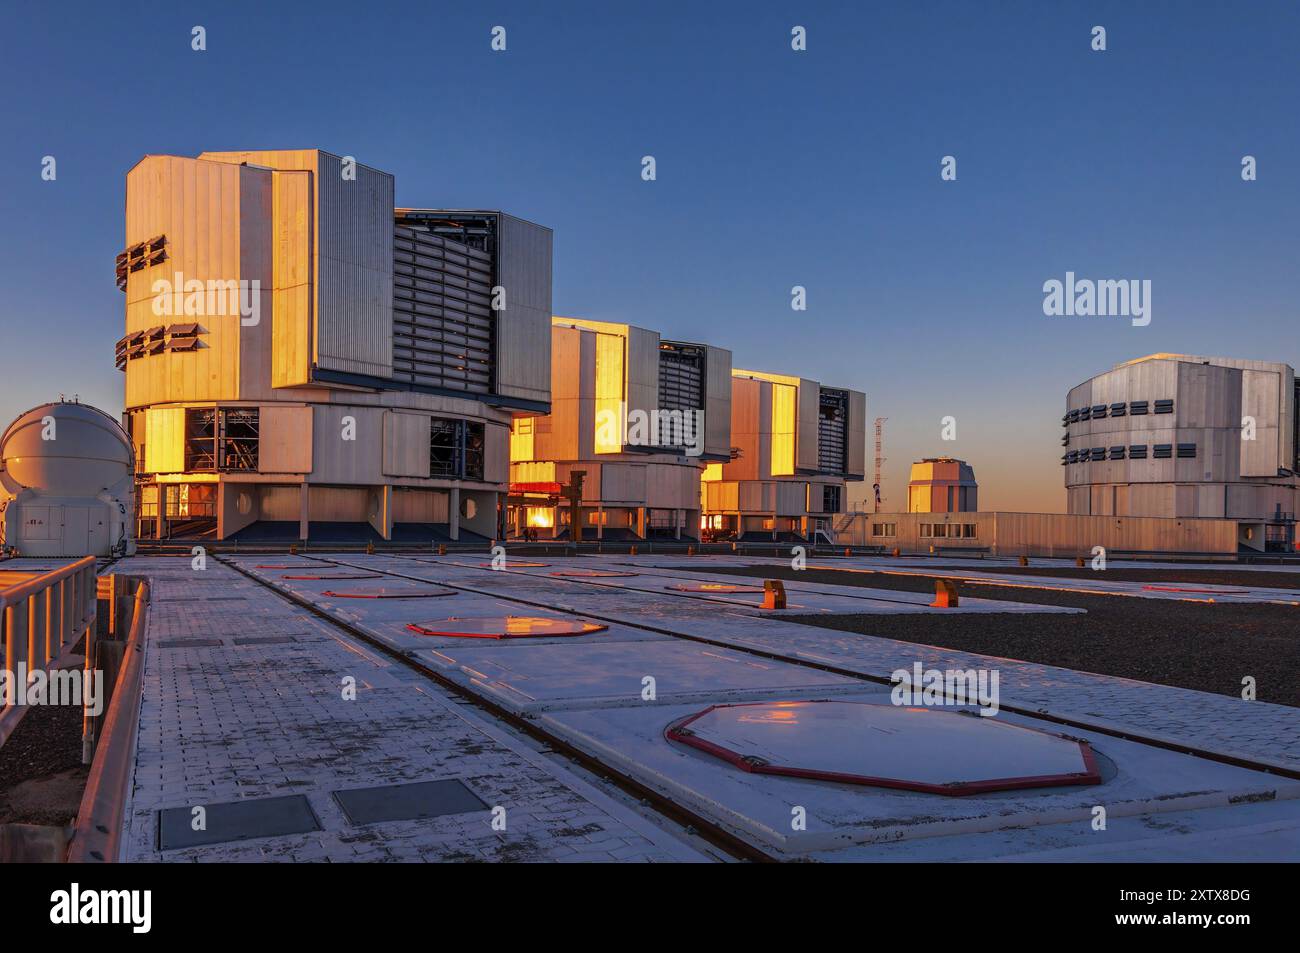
x=442, y=312
x=833, y=431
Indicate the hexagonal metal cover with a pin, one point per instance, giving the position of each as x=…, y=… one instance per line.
x=914, y=749
x=505, y=627
x=389, y=592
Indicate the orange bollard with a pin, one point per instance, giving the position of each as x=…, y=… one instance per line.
x=897, y=552
x=773, y=594
x=631, y=551
x=1024, y=560
x=690, y=550
x=847, y=551
x=945, y=594
x=1078, y=561
x=442, y=549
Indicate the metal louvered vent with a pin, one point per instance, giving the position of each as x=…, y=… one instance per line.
x=442, y=312
x=833, y=431
x=681, y=386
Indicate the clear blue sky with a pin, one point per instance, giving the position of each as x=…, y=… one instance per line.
x=775, y=169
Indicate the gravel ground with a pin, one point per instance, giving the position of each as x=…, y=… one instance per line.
x=41, y=774
x=1209, y=648
x=1224, y=577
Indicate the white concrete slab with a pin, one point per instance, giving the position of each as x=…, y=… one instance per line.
x=1139, y=781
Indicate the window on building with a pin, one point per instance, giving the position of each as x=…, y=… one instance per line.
x=1162, y=451
x=1137, y=407
x=927, y=530
x=1117, y=453
x=831, y=499
x=456, y=449
x=884, y=529
x=1098, y=411
x=1164, y=407
x=1117, y=410
x=1186, y=450
x=1137, y=451
x=221, y=439
x=237, y=447
x=968, y=531
x=201, y=439
x=1099, y=453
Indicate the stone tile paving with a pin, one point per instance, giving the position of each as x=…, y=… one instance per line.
x=231, y=722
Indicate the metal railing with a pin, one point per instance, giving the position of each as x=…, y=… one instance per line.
x=43, y=618
x=96, y=836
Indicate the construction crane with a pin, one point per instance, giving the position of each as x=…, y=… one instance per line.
x=880, y=445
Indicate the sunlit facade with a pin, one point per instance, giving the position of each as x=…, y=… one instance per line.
x=303, y=360
x=795, y=446
x=640, y=417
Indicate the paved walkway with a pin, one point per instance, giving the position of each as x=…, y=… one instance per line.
x=233, y=722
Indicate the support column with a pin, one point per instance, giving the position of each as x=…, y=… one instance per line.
x=600, y=521
x=383, y=522
x=221, y=509
x=304, y=510
x=453, y=513
x=677, y=524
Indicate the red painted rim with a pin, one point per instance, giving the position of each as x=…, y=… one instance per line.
x=1212, y=592
x=385, y=595
x=373, y=576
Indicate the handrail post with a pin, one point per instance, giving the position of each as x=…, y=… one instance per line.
x=16, y=644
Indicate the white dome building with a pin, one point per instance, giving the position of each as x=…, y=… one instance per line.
x=66, y=480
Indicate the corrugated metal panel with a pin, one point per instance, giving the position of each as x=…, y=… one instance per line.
x=196, y=205
x=354, y=316
x=717, y=401
x=623, y=483
x=496, y=453
x=284, y=439
x=857, y=453
x=523, y=329
x=164, y=440
x=809, y=406
x=746, y=404
x=406, y=444
x=1260, y=398
x=293, y=297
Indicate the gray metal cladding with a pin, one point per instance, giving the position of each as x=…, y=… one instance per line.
x=523, y=335
x=354, y=326
x=442, y=312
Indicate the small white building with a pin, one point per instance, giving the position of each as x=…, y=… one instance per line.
x=66, y=481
